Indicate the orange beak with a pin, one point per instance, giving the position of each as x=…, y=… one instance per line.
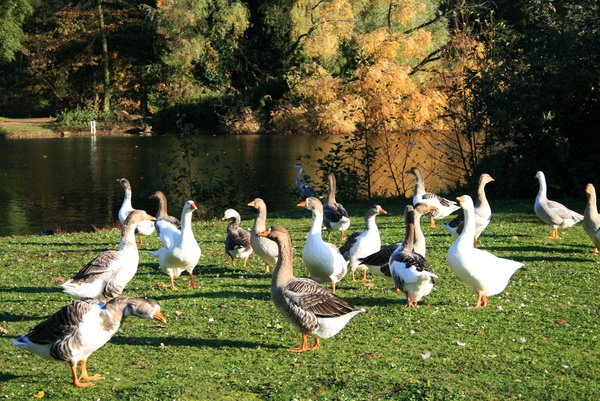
x=302, y=204
x=193, y=206
x=382, y=211
x=251, y=203
x=460, y=199
x=264, y=233
x=159, y=316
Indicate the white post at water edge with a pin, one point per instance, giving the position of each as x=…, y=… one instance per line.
x=93, y=127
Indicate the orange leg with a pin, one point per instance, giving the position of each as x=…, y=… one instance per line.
x=267, y=268
x=333, y=288
x=328, y=236
x=173, y=283
x=140, y=237
x=554, y=234
x=304, y=346
x=192, y=282
x=317, y=344
x=481, y=300
x=475, y=243
x=364, y=275
x=353, y=278
x=84, y=373
x=432, y=222
x=343, y=238
x=245, y=261
x=595, y=250
x=76, y=381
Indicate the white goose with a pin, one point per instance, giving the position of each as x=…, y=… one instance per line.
x=305, y=189
x=237, y=242
x=409, y=269
x=483, y=212
x=553, y=213
x=361, y=244
x=166, y=226
x=310, y=308
x=485, y=274
x=378, y=262
x=74, y=332
x=145, y=227
x=107, y=274
x=265, y=249
x=323, y=260
x=183, y=252
x=335, y=217
x=591, y=218
x=444, y=207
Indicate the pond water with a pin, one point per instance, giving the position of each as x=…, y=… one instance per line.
x=71, y=183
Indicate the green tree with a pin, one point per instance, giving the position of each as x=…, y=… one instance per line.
x=12, y=15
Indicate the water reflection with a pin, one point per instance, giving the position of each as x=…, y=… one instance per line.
x=70, y=183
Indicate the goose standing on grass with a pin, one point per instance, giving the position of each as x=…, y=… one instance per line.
x=107, y=274
x=166, y=226
x=145, y=227
x=304, y=189
x=183, y=252
x=444, y=207
x=335, y=217
x=74, y=332
x=485, y=274
x=264, y=248
x=409, y=269
x=310, y=308
x=360, y=244
x=553, y=213
x=483, y=212
x=591, y=218
x=323, y=260
x=237, y=242
x=378, y=262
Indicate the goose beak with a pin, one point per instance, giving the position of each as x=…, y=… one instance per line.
x=193, y=206
x=264, y=233
x=251, y=203
x=460, y=199
x=382, y=211
x=159, y=316
x=302, y=204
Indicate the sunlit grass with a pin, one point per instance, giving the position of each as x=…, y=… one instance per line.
x=225, y=340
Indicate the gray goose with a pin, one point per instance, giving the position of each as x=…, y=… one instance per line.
x=144, y=227
x=237, y=242
x=363, y=243
x=335, y=217
x=483, y=212
x=409, y=269
x=378, y=262
x=265, y=249
x=553, y=213
x=74, y=332
x=310, y=308
x=305, y=189
x=105, y=276
x=444, y=207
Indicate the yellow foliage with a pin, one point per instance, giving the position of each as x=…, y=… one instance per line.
x=408, y=10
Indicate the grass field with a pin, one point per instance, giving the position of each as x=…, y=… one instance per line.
x=225, y=340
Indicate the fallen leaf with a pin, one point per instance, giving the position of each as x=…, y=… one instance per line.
x=3, y=330
x=562, y=321
x=477, y=332
x=370, y=355
x=222, y=306
x=59, y=279
x=178, y=312
x=184, y=279
x=40, y=394
x=368, y=285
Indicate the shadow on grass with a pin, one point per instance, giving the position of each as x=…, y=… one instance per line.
x=193, y=342
x=30, y=290
x=547, y=253
x=8, y=317
x=215, y=295
x=4, y=377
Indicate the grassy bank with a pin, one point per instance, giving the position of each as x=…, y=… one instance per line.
x=224, y=340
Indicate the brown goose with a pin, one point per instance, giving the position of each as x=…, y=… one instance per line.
x=74, y=332
x=591, y=218
x=310, y=308
x=265, y=249
x=166, y=226
x=105, y=276
x=335, y=217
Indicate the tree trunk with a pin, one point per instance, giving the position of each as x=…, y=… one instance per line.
x=105, y=67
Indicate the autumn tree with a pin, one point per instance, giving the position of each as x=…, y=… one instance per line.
x=12, y=15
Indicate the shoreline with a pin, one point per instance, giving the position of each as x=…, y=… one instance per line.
x=40, y=128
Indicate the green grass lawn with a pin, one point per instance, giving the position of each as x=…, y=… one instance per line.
x=225, y=340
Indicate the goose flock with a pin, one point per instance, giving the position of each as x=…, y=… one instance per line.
x=77, y=330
